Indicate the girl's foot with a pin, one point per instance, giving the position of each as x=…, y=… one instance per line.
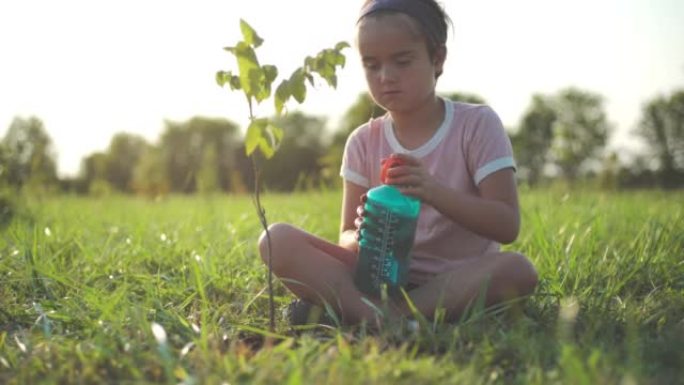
x=300, y=312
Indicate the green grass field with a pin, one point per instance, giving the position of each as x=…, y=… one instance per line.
x=83, y=281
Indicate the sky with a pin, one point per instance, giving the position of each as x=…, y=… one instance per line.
x=90, y=69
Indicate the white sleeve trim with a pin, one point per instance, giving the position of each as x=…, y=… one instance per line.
x=493, y=166
x=354, y=177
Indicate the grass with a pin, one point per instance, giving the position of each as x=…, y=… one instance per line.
x=83, y=281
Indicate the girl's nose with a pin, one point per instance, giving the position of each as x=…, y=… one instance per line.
x=387, y=74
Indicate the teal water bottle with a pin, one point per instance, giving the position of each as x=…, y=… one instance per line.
x=386, y=238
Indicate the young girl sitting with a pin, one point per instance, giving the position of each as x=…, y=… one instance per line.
x=457, y=159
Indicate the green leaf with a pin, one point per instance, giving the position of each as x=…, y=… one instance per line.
x=222, y=77
x=325, y=63
x=309, y=62
x=282, y=95
x=266, y=149
x=263, y=135
x=310, y=78
x=235, y=83
x=250, y=35
x=255, y=135
x=227, y=77
x=277, y=135
x=341, y=45
x=327, y=73
x=339, y=59
x=271, y=72
x=332, y=80
x=254, y=79
x=250, y=71
x=297, y=86
x=260, y=91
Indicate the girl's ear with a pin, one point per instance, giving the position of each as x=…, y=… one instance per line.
x=439, y=58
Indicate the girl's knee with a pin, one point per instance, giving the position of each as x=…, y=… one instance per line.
x=275, y=232
x=522, y=272
x=514, y=274
x=281, y=237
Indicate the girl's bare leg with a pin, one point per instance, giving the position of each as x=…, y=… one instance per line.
x=316, y=270
x=322, y=272
x=503, y=275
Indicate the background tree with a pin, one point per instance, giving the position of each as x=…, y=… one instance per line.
x=183, y=145
x=207, y=177
x=177, y=157
x=93, y=174
x=28, y=154
x=298, y=156
x=662, y=127
x=123, y=154
x=93, y=167
x=610, y=172
x=4, y=166
x=580, y=131
x=638, y=174
x=149, y=176
x=532, y=140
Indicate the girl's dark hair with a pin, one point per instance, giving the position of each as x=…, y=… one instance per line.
x=429, y=14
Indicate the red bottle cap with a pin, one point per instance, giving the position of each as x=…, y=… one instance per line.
x=388, y=163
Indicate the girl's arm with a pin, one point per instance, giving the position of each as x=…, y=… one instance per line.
x=493, y=214
x=351, y=199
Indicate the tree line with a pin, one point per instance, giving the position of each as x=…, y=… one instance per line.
x=560, y=136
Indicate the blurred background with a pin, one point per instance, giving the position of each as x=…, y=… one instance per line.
x=101, y=97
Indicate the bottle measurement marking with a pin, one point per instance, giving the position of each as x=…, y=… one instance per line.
x=383, y=263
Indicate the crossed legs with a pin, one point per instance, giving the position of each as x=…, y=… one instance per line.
x=322, y=272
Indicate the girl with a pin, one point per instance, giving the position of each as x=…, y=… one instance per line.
x=457, y=160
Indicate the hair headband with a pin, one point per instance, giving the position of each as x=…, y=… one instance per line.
x=428, y=17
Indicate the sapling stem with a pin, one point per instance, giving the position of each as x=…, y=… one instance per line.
x=255, y=81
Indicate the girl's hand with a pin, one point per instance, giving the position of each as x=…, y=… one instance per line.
x=411, y=177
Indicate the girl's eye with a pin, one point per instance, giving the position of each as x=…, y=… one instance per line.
x=403, y=63
x=371, y=66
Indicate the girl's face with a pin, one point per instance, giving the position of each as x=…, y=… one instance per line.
x=399, y=71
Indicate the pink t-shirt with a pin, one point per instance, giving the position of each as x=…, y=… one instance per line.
x=469, y=145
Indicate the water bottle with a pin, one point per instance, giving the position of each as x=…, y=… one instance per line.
x=386, y=238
